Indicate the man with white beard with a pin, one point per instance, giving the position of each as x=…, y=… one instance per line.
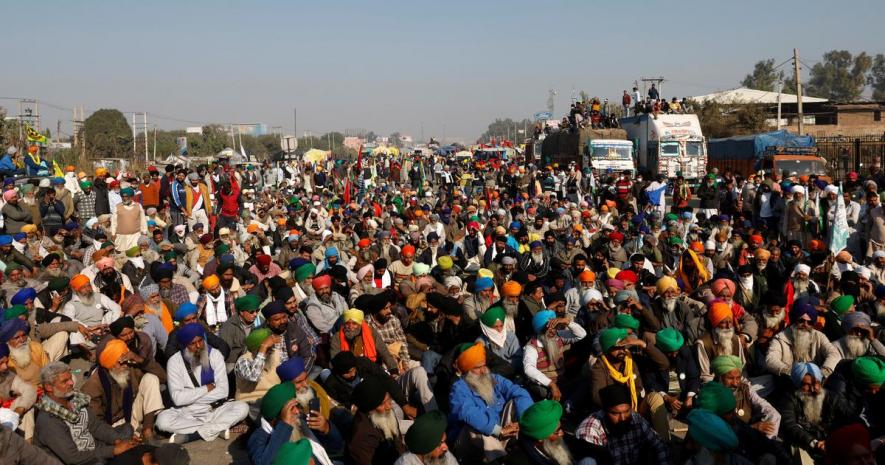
x=376, y=434
x=26, y=356
x=723, y=339
x=540, y=435
x=324, y=307
x=808, y=413
x=17, y=394
x=544, y=355
x=197, y=382
x=801, y=343
x=88, y=308
x=255, y=369
x=125, y=388
x=535, y=262
x=128, y=221
x=676, y=310
x=426, y=441
x=800, y=285
x=858, y=340
x=486, y=407
x=615, y=252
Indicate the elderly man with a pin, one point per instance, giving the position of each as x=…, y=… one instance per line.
x=801, y=343
x=541, y=435
x=198, y=386
x=544, y=355
x=215, y=304
x=16, y=394
x=255, y=369
x=376, y=434
x=125, y=388
x=721, y=340
x=535, y=262
x=800, y=284
x=809, y=412
x=325, y=306
x=750, y=408
x=235, y=330
x=26, y=356
x=859, y=340
x=197, y=202
x=485, y=406
x=617, y=365
x=68, y=429
x=665, y=396
x=88, y=308
x=617, y=433
x=381, y=319
x=128, y=221
x=481, y=299
x=676, y=310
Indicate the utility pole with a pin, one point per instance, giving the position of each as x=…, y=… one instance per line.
x=295, y=121
x=145, y=138
x=798, y=90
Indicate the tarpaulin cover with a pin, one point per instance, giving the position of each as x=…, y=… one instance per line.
x=753, y=146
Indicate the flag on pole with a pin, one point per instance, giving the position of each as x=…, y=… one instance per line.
x=243, y=152
x=34, y=136
x=56, y=170
x=359, y=159
x=347, y=192
x=839, y=229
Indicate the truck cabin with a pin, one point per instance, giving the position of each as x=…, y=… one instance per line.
x=675, y=148
x=785, y=161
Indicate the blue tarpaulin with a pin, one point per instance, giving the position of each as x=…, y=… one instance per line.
x=753, y=146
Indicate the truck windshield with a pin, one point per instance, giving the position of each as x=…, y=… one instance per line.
x=670, y=149
x=610, y=152
x=801, y=167
x=693, y=148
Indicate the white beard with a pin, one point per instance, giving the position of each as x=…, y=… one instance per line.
x=21, y=355
x=386, y=422
x=669, y=304
x=537, y=258
x=551, y=346
x=296, y=433
x=303, y=397
x=725, y=339
x=87, y=301
x=812, y=406
x=510, y=309
x=856, y=346
x=800, y=286
x=801, y=345
x=557, y=451
x=482, y=385
x=120, y=377
x=427, y=459
x=772, y=322
x=880, y=311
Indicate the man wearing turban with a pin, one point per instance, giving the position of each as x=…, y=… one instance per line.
x=426, y=441
x=26, y=356
x=722, y=339
x=198, y=385
x=325, y=306
x=402, y=268
x=215, y=302
x=800, y=285
x=536, y=261
x=544, y=355
x=542, y=434
x=676, y=310
x=617, y=365
x=662, y=398
x=749, y=404
x=255, y=369
x=125, y=387
x=88, y=308
x=498, y=339
x=801, y=342
x=128, y=221
x=808, y=412
x=485, y=407
x=235, y=330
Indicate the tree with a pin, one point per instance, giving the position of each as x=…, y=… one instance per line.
x=720, y=120
x=877, y=78
x=107, y=134
x=764, y=76
x=395, y=140
x=371, y=137
x=505, y=129
x=840, y=76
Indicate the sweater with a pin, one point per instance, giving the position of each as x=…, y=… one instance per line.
x=128, y=220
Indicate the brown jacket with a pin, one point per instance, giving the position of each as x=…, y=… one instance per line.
x=599, y=377
x=98, y=399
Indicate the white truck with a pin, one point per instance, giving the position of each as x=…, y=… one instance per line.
x=609, y=156
x=669, y=144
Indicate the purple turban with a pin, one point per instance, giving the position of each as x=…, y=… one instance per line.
x=290, y=369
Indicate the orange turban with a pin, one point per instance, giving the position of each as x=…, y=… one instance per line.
x=70, y=169
x=408, y=251
x=112, y=352
x=697, y=246
x=252, y=228
x=101, y=171
x=756, y=239
x=718, y=312
x=762, y=254
x=587, y=276
x=721, y=284
x=472, y=358
x=511, y=289
x=210, y=281
x=364, y=243
x=79, y=282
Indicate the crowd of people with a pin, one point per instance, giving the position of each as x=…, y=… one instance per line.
x=378, y=312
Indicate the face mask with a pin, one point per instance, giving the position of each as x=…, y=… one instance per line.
x=747, y=282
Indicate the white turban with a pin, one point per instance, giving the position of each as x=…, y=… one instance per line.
x=453, y=281
x=710, y=244
x=802, y=268
x=831, y=189
x=798, y=190
x=879, y=254
x=864, y=272
x=590, y=295
x=365, y=270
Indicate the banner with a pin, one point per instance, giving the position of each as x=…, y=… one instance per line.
x=839, y=228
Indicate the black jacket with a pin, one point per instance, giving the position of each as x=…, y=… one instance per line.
x=687, y=372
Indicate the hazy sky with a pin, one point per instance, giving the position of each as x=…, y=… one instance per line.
x=452, y=65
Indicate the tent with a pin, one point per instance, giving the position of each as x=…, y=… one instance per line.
x=745, y=95
x=315, y=155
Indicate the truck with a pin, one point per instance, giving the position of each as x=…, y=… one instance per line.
x=609, y=156
x=564, y=147
x=776, y=152
x=670, y=145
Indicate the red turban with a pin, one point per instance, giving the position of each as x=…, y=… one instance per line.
x=721, y=284
x=408, y=251
x=616, y=236
x=321, y=281
x=627, y=276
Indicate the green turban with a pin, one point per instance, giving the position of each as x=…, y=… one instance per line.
x=249, y=302
x=669, y=340
x=541, y=419
x=59, y=283
x=127, y=191
x=717, y=398
x=14, y=312
x=841, y=304
x=85, y=184
x=426, y=433
x=276, y=397
x=132, y=252
x=305, y=271
x=256, y=337
x=611, y=336
x=12, y=266
x=869, y=370
x=221, y=249
x=626, y=321
x=106, y=244
x=710, y=431
x=170, y=255
x=294, y=453
x=670, y=217
x=726, y=363
x=676, y=241
x=492, y=315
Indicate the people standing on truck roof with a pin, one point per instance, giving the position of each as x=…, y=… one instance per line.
x=626, y=102
x=653, y=93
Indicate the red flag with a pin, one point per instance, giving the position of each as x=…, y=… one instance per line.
x=359, y=159
x=347, y=192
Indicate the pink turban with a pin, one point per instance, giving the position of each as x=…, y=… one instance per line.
x=615, y=283
x=104, y=263
x=721, y=284
x=364, y=271
x=7, y=195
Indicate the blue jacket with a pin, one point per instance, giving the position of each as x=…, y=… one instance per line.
x=263, y=446
x=467, y=407
x=6, y=164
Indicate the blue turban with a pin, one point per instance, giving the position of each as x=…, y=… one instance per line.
x=187, y=333
x=5, y=239
x=19, y=236
x=290, y=369
x=296, y=262
x=534, y=244
x=4, y=350
x=484, y=283
x=802, y=309
x=622, y=296
x=540, y=320
x=710, y=431
x=71, y=225
x=58, y=180
x=273, y=308
x=22, y=296
x=880, y=291
x=184, y=310
x=801, y=369
x=331, y=252
x=515, y=225
x=8, y=181
x=9, y=328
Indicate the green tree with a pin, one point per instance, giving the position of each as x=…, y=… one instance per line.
x=720, y=120
x=877, y=78
x=395, y=140
x=840, y=76
x=107, y=134
x=764, y=76
x=505, y=129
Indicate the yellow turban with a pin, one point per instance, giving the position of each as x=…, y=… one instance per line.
x=666, y=283
x=101, y=171
x=29, y=228
x=485, y=273
x=762, y=254
x=472, y=358
x=612, y=272
x=355, y=315
x=511, y=289
x=210, y=281
x=112, y=352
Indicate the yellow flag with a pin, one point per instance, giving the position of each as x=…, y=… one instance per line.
x=56, y=170
x=34, y=136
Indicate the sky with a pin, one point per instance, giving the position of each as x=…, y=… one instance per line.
x=444, y=69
